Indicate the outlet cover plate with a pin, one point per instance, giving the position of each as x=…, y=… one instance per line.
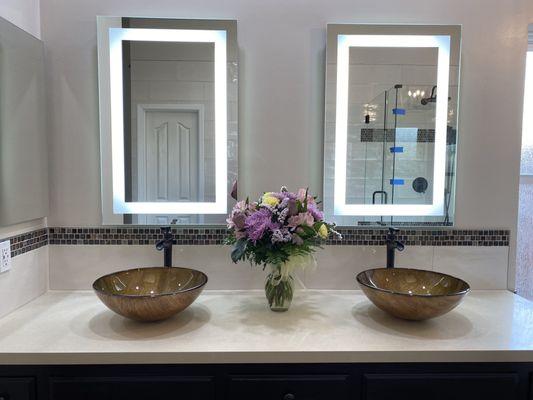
x=5, y=256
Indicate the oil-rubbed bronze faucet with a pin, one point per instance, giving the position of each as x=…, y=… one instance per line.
x=165, y=244
x=392, y=245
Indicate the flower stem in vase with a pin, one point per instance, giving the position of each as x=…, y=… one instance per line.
x=279, y=290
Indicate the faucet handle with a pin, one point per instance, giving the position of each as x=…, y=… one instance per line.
x=399, y=245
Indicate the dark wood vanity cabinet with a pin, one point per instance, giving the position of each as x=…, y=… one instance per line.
x=413, y=381
x=289, y=387
x=132, y=388
x=444, y=386
x=12, y=388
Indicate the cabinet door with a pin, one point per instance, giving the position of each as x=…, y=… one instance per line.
x=441, y=386
x=17, y=388
x=132, y=388
x=289, y=387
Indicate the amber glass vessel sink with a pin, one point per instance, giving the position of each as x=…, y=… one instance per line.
x=150, y=294
x=411, y=293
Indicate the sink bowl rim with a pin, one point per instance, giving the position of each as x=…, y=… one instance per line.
x=458, y=293
x=141, y=296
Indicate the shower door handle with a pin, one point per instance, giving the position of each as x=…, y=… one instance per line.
x=383, y=195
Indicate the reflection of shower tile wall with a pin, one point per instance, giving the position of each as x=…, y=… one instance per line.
x=423, y=135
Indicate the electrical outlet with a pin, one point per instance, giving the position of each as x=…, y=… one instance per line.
x=5, y=256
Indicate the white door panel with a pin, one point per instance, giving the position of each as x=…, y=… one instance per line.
x=169, y=150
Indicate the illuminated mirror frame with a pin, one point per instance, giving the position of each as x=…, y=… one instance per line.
x=344, y=42
x=114, y=87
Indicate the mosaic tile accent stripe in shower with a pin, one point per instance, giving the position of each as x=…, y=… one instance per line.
x=27, y=241
x=216, y=236
x=422, y=136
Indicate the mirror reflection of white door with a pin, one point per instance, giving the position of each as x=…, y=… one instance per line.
x=169, y=150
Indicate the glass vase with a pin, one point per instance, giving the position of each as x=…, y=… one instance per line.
x=279, y=289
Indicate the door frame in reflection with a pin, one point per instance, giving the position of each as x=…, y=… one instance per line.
x=142, y=110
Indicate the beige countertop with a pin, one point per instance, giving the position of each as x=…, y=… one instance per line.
x=73, y=327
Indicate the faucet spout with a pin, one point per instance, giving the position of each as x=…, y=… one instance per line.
x=165, y=245
x=392, y=245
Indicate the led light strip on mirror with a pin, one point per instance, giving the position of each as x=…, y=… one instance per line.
x=344, y=42
x=218, y=38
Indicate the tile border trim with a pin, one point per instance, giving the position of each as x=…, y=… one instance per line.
x=216, y=235
x=27, y=241
x=200, y=236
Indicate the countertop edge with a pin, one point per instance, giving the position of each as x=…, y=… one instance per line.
x=339, y=357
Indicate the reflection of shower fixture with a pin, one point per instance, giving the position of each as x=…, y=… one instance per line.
x=432, y=98
x=420, y=185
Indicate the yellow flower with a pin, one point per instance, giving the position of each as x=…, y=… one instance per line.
x=269, y=199
x=323, y=231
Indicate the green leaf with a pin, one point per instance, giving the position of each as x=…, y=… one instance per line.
x=239, y=250
x=308, y=231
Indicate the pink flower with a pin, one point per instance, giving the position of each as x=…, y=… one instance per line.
x=239, y=220
x=301, y=219
x=301, y=194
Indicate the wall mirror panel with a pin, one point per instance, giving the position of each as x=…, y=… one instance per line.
x=23, y=147
x=168, y=120
x=391, y=124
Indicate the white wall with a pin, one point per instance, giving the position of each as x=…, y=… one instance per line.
x=23, y=13
x=28, y=277
x=282, y=93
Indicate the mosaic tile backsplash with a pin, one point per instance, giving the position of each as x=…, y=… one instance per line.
x=28, y=241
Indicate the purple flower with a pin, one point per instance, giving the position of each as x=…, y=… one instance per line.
x=283, y=214
x=315, y=212
x=258, y=223
x=281, y=235
x=293, y=207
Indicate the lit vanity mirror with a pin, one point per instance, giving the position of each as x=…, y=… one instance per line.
x=391, y=124
x=168, y=120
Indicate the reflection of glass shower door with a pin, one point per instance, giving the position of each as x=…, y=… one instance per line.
x=378, y=138
x=391, y=142
x=374, y=135
x=392, y=147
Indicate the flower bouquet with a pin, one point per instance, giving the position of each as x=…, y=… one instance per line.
x=280, y=231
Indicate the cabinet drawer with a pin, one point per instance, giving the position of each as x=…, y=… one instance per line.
x=17, y=388
x=289, y=387
x=132, y=388
x=441, y=386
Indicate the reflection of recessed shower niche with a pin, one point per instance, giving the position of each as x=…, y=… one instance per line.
x=394, y=126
